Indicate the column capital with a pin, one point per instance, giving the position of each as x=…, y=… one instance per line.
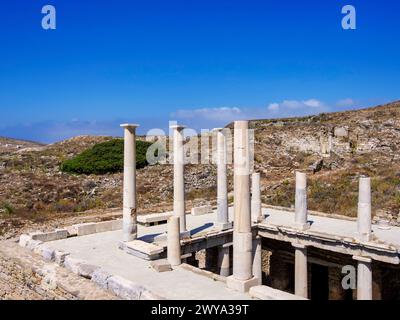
x=129, y=125
x=362, y=259
x=299, y=245
x=217, y=129
x=178, y=126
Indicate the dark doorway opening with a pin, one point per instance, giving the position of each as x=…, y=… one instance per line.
x=319, y=282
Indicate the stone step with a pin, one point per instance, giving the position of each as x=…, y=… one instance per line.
x=142, y=249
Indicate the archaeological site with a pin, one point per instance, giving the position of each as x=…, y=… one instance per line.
x=236, y=246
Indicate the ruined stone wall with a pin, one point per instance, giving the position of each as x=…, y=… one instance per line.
x=25, y=276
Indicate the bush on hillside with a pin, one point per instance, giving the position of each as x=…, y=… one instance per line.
x=103, y=158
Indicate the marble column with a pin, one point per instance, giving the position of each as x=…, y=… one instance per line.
x=242, y=278
x=179, y=178
x=364, y=278
x=173, y=242
x=364, y=209
x=301, y=201
x=129, y=191
x=223, y=261
x=300, y=271
x=256, y=214
x=222, y=185
x=257, y=259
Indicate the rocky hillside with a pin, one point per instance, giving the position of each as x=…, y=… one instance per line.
x=333, y=148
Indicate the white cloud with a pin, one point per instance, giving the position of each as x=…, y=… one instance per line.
x=288, y=108
x=208, y=113
x=348, y=102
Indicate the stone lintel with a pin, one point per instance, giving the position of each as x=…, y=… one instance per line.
x=223, y=226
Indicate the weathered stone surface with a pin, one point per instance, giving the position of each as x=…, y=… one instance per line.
x=100, y=277
x=155, y=217
x=23, y=240
x=80, y=267
x=144, y=247
x=50, y=236
x=72, y=264
x=268, y=293
x=48, y=253
x=59, y=257
x=124, y=288
x=85, y=229
x=161, y=265
x=197, y=211
x=24, y=275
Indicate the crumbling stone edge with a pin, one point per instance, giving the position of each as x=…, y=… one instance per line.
x=119, y=286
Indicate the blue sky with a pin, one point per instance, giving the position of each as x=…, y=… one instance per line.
x=202, y=63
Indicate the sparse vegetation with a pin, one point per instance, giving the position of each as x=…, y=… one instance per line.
x=103, y=158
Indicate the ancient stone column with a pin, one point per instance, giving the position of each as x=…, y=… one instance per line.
x=301, y=201
x=256, y=214
x=257, y=259
x=364, y=278
x=364, y=209
x=179, y=178
x=242, y=278
x=223, y=261
x=300, y=271
x=222, y=185
x=173, y=241
x=129, y=192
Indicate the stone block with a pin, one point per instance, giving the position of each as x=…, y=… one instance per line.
x=23, y=240
x=48, y=253
x=104, y=226
x=197, y=211
x=161, y=265
x=86, y=270
x=72, y=264
x=241, y=285
x=100, y=277
x=116, y=225
x=59, y=257
x=124, y=288
x=84, y=229
x=50, y=236
x=147, y=219
x=268, y=293
x=32, y=244
x=143, y=249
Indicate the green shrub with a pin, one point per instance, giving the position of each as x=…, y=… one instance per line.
x=106, y=157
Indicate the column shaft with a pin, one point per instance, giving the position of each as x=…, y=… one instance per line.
x=301, y=200
x=364, y=209
x=179, y=178
x=242, y=237
x=256, y=214
x=301, y=272
x=257, y=259
x=364, y=278
x=173, y=241
x=222, y=187
x=129, y=188
x=223, y=261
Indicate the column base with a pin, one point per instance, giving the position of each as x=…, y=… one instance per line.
x=241, y=285
x=302, y=226
x=220, y=226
